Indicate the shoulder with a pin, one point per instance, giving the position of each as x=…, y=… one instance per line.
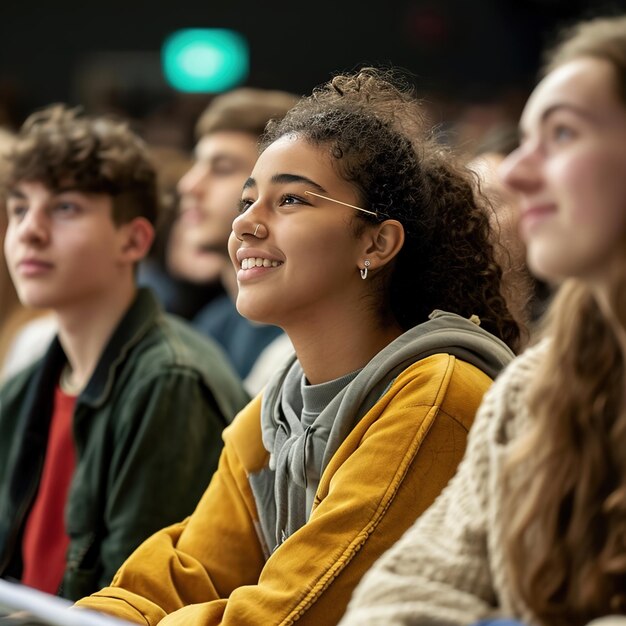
x=243, y=437
x=14, y=387
x=439, y=387
x=512, y=384
x=172, y=352
x=444, y=378
x=172, y=342
x=504, y=411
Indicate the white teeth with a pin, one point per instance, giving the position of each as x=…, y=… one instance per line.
x=249, y=263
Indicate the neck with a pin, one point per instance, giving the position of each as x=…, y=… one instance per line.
x=86, y=327
x=326, y=353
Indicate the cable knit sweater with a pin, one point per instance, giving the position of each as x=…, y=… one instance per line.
x=448, y=568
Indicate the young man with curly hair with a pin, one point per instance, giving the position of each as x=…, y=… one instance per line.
x=116, y=431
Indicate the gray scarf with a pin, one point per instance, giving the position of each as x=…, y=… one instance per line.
x=299, y=453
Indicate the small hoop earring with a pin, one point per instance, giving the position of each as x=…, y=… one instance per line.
x=366, y=263
x=256, y=230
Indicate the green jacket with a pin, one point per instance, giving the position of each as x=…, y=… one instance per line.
x=147, y=431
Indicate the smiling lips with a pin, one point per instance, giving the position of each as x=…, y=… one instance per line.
x=534, y=215
x=250, y=262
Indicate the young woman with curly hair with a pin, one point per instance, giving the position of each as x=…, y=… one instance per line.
x=361, y=239
x=533, y=526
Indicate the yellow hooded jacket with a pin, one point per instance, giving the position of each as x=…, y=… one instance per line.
x=211, y=568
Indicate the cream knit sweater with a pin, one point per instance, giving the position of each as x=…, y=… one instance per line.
x=448, y=568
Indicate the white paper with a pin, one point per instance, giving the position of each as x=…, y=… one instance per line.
x=50, y=609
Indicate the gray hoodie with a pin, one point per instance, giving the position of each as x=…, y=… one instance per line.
x=299, y=454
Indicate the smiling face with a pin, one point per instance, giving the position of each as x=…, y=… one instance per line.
x=570, y=172
x=303, y=262
x=210, y=192
x=63, y=248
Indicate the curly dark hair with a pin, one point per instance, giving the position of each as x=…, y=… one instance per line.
x=372, y=124
x=61, y=147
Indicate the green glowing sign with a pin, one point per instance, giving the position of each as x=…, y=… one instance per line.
x=205, y=60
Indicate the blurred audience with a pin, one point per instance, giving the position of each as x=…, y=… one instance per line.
x=178, y=295
x=228, y=133
x=128, y=404
x=527, y=295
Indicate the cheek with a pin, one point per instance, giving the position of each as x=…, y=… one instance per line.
x=596, y=186
x=227, y=218
x=328, y=260
x=7, y=243
x=96, y=253
x=228, y=194
x=233, y=246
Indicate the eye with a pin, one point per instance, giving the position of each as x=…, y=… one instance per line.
x=291, y=200
x=16, y=210
x=244, y=205
x=225, y=169
x=560, y=133
x=66, y=209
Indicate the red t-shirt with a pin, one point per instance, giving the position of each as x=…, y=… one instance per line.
x=45, y=538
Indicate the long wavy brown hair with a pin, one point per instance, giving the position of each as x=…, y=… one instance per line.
x=566, y=494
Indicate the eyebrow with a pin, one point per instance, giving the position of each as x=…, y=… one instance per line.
x=281, y=179
x=218, y=156
x=561, y=106
x=70, y=189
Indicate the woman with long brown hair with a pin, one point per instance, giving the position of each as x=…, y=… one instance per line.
x=533, y=526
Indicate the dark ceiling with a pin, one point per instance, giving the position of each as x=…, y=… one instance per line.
x=467, y=49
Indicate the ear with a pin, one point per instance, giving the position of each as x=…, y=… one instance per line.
x=138, y=235
x=383, y=244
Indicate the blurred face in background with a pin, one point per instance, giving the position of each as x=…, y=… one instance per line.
x=504, y=217
x=63, y=248
x=570, y=173
x=210, y=192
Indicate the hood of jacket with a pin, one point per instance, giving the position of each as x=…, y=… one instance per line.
x=297, y=459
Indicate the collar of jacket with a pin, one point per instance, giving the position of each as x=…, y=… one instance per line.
x=443, y=332
x=133, y=326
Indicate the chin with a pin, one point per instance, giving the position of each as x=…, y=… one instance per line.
x=253, y=312
x=36, y=302
x=545, y=264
